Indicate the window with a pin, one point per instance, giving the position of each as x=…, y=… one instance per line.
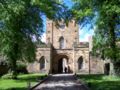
x=42, y=63
x=61, y=40
x=80, y=63
x=62, y=26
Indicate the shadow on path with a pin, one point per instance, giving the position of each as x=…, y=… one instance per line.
x=61, y=82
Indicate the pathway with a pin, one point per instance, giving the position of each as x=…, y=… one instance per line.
x=61, y=82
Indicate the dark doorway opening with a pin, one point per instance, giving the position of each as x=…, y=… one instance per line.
x=60, y=66
x=107, y=69
x=80, y=63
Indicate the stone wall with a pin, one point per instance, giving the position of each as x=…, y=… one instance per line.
x=96, y=65
x=70, y=34
x=35, y=67
x=84, y=53
x=72, y=51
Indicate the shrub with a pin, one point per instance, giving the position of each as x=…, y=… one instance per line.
x=21, y=68
x=7, y=76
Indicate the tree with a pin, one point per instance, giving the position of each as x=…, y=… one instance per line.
x=20, y=20
x=108, y=17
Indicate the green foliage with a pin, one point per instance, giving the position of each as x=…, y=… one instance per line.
x=21, y=68
x=21, y=65
x=107, y=14
x=82, y=11
x=7, y=76
x=20, y=20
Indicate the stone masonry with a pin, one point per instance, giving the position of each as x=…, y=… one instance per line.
x=63, y=53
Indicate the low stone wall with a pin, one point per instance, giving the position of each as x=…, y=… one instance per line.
x=35, y=68
x=96, y=65
x=32, y=67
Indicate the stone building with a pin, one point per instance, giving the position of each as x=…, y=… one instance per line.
x=63, y=52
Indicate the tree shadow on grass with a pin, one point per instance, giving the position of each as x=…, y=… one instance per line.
x=15, y=89
x=106, y=85
x=91, y=76
x=32, y=78
x=96, y=82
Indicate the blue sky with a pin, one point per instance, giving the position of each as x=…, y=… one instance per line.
x=84, y=32
x=69, y=3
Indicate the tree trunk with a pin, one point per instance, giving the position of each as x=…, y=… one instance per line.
x=112, y=26
x=14, y=57
x=14, y=71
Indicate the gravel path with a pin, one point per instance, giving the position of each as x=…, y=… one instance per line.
x=61, y=82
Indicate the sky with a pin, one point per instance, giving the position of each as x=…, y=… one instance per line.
x=84, y=32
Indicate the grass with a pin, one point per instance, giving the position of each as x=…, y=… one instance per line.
x=101, y=82
x=95, y=82
x=21, y=83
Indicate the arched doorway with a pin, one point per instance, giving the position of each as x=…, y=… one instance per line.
x=63, y=65
x=80, y=63
x=42, y=63
x=59, y=62
x=107, y=68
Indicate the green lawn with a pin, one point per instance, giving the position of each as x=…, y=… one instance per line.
x=101, y=82
x=21, y=83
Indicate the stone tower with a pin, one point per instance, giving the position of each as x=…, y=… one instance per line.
x=63, y=53
x=69, y=34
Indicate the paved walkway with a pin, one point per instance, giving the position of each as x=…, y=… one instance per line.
x=61, y=82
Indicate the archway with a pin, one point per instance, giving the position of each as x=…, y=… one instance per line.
x=63, y=65
x=80, y=63
x=107, y=68
x=60, y=61
x=42, y=63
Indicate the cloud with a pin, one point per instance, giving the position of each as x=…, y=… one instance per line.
x=43, y=38
x=84, y=34
x=84, y=38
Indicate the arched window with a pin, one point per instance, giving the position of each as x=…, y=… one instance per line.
x=42, y=63
x=80, y=63
x=62, y=26
x=61, y=40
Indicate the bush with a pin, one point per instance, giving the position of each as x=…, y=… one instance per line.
x=7, y=76
x=21, y=68
x=3, y=67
